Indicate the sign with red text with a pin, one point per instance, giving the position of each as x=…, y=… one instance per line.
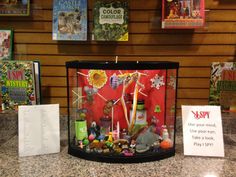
x=202, y=131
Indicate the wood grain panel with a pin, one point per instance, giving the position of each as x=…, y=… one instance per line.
x=134, y=15
x=193, y=83
x=112, y=49
x=195, y=50
x=183, y=72
x=144, y=4
x=53, y=81
x=142, y=27
x=191, y=102
x=185, y=61
x=136, y=39
x=193, y=93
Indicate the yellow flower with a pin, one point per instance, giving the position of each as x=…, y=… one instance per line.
x=97, y=78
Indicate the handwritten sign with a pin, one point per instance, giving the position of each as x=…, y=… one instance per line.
x=202, y=131
x=38, y=129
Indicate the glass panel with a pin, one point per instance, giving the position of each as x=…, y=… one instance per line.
x=120, y=104
x=74, y=101
x=171, y=102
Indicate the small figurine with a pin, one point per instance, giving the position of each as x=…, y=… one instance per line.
x=85, y=141
x=105, y=125
x=94, y=129
x=108, y=107
x=91, y=137
x=109, y=144
x=166, y=144
x=110, y=139
x=88, y=150
x=82, y=113
x=146, y=140
x=81, y=144
x=132, y=144
x=165, y=134
x=90, y=92
x=115, y=81
x=126, y=152
x=101, y=137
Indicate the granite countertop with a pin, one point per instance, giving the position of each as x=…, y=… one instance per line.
x=63, y=164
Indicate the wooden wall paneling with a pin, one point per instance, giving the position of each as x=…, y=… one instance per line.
x=195, y=50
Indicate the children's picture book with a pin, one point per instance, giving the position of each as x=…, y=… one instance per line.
x=6, y=43
x=70, y=20
x=223, y=85
x=20, y=83
x=14, y=7
x=183, y=14
x=110, y=20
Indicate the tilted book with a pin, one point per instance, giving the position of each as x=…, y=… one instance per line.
x=223, y=85
x=20, y=84
x=110, y=20
x=183, y=14
x=70, y=20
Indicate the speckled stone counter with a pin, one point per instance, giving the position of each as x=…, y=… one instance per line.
x=63, y=164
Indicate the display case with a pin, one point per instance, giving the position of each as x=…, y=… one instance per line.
x=121, y=112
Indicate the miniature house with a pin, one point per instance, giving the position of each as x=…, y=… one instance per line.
x=121, y=112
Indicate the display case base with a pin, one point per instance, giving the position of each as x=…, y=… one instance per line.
x=111, y=158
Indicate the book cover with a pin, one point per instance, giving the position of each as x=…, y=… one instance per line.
x=17, y=84
x=14, y=8
x=183, y=14
x=110, y=20
x=223, y=85
x=70, y=20
x=6, y=42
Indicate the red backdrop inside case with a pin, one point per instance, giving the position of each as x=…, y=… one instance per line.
x=155, y=97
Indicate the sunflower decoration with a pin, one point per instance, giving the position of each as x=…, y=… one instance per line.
x=97, y=78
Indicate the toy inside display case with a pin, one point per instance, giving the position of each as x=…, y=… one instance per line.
x=121, y=112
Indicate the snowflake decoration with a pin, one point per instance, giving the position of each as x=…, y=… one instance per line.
x=172, y=82
x=157, y=81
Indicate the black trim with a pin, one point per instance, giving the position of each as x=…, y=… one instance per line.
x=145, y=157
x=126, y=65
x=176, y=94
x=68, y=105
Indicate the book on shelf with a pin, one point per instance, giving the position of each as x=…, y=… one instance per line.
x=110, y=20
x=223, y=85
x=183, y=14
x=20, y=83
x=6, y=44
x=70, y=20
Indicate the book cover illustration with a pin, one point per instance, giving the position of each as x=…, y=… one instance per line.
x=17, y=84
x=110, y=20
x=183, y=13
x=6, y=40
x=70, y=20
x=223, y=85
x=14, y=8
